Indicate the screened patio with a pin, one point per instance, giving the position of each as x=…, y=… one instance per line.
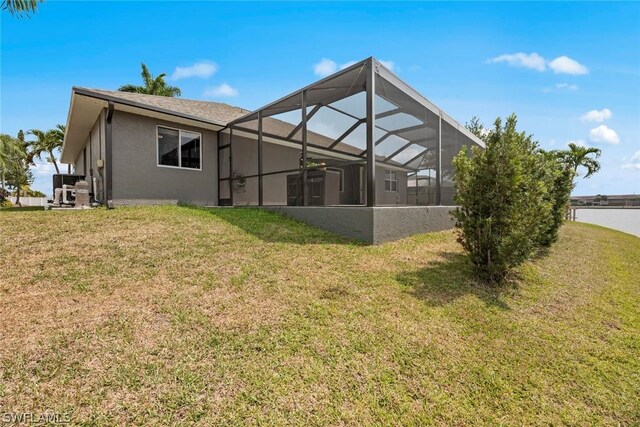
x=360, y=137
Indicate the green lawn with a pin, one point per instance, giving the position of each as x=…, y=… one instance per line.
x=172, y=315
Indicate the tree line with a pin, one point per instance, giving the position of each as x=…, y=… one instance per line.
x=17, y=155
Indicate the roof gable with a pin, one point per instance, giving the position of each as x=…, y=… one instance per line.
x=213, y=112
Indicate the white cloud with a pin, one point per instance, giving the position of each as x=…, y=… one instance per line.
x=566, y=86
x=597, y=115
x=604, y=134
x=565, y=65
x=633, y=162
x=325, y=67
x=45, y=168
x=202, y=69
x=560, y=65
x=223, y=90
x=526, y=60
x=561, y=87
x=42, y=172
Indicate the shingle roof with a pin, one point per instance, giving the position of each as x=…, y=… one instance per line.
x=205, y=110
x=213, y=111
x=216, y=112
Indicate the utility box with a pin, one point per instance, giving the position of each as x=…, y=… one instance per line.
x=82, y=194
x=60, y=179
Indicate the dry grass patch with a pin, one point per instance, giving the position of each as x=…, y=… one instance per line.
x=173, y=315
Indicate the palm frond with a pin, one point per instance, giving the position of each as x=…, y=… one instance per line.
x=152, y=86
x=147, y=78
x=20, y=8
x=132, y=88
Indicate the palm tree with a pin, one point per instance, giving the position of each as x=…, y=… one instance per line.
x=152, y=86
x=47, y=142
x=14, y=164
x=20, y=7
x=578, y=156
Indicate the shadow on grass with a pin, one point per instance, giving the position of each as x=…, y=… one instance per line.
x=443, y=282
x=274, y=227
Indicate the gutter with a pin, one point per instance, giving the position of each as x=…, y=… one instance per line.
x=108, y=157
x=115, y=100
x=92, y=94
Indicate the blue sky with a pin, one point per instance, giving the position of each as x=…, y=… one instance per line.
x=571, y=71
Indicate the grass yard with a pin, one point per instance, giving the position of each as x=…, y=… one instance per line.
x=172, y=315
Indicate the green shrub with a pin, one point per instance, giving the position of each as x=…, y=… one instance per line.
x=4, y=198
x=559, y=181
x=504, y=203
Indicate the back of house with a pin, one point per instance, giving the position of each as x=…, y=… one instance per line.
x=359, y=138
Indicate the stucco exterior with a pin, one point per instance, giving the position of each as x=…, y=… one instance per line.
x=373, y=225
x=275, y=158
x=393, y=223
x=279, y=157
x=391, y=198
x=87, y=159
x=137, y=176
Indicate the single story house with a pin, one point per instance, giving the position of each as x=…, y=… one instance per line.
x=359, y=152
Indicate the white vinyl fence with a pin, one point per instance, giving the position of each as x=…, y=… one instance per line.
x=30, y=201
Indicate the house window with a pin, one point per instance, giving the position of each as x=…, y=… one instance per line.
x=390, y=181
x=190, y=149
x=179, y=148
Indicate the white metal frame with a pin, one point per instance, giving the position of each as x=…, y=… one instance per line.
x=199, y=169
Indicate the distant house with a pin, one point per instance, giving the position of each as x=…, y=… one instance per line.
x=616, y=200
x=359, y=138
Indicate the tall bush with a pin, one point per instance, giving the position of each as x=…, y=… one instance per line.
x=504, y=204
x=558, y=178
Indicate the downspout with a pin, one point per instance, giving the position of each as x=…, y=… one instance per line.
x=260, y=143
x=230, y=165
x=108, y=158
x=439, y=163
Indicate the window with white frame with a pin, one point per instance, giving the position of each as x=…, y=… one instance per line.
x=390, y=180
x=179, y=148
